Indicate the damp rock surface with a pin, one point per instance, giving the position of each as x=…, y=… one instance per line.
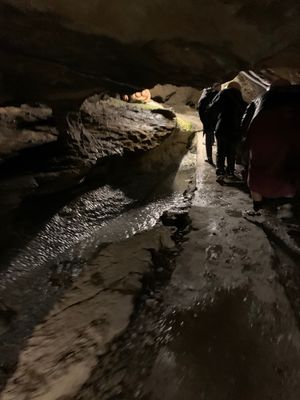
x=35, y=162
x=114, y=126
x=24, y=127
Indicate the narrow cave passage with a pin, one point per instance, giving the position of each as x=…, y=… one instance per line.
x=135, y=274
x=149, y=245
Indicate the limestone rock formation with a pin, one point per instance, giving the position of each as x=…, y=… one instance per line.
x=24, y=127
x=115, y=126
x=176, y=97
x=94, y=138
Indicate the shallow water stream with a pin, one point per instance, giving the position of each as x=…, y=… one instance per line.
x=35, y=275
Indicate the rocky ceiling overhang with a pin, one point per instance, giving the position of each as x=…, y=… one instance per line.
x=62, y=51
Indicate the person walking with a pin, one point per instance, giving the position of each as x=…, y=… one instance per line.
x=229, y=107
x=207, y=119
x=273, y=142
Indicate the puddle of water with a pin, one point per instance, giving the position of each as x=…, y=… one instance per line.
x=225, y=350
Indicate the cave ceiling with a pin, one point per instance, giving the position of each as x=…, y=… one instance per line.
x=56, y=52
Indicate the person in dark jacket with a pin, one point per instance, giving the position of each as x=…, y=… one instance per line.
x=273, y=141
x=229, y=107
x=208, y=122
x=242, y=150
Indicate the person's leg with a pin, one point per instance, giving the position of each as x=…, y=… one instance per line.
x=257, y=201
x=231, y=155
x=256, y=196
x=221, y=152
x=209, y=140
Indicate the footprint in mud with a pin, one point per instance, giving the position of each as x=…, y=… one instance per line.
x=225, y=350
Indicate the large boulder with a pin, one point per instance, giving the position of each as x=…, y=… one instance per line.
x=112, y=126
x=95, y=139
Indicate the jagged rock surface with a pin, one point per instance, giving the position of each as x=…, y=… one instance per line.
x=115, y=127
x=100, y=130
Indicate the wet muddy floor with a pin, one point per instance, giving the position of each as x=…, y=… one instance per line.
x=232, y=309
x=225, y=349
x=226, y=325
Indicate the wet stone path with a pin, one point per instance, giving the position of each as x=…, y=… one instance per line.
x=224, y=327
x=232, y=332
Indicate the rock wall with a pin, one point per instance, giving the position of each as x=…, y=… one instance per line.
x=250, y=89
x=24, y=127
x=176, y=97
x=109, y=142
